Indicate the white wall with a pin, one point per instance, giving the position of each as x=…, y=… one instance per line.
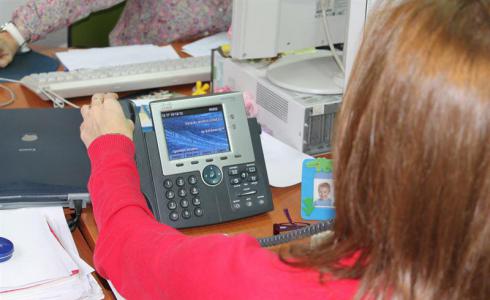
x=55, y=39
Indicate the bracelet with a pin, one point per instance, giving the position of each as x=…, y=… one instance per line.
x=15, y=33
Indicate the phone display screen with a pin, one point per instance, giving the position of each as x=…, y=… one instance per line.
x=195, y=132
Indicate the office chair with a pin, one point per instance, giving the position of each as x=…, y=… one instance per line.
x=94, y=30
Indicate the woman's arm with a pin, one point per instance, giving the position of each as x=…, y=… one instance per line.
x=37, y=18
x=146, y=259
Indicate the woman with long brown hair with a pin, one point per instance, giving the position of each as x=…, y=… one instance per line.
x=412, y=170
x=412, y=155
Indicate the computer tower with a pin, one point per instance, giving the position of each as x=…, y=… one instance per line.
x=303, y=121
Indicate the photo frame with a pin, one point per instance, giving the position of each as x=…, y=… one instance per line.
x=317, y=190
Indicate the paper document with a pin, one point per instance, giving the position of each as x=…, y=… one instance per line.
x=95, y=58
x=283, y=162
x=204, y=46
x=45, y=263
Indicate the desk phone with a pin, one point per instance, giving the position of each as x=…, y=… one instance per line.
x=202, y=163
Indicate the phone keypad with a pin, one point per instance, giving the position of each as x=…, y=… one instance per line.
x=182, y=195
x=244, y=182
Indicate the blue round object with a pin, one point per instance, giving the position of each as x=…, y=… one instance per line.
x=6, y=249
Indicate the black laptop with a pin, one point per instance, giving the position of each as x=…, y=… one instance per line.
x=43, y=162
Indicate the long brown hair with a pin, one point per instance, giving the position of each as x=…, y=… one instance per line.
x=412, y=156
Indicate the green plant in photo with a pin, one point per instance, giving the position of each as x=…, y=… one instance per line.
x=308, y=206
x=321, y=165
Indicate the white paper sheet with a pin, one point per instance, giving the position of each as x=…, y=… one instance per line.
x=204, y=46
x=283, y=162
x=95, y=58
x=44, y=232
x=38, y=257
x=57, y=222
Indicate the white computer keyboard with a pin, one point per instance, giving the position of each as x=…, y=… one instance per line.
x=120, y=78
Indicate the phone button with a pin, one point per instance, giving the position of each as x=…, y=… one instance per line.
x=168, y=183
x=252, y=178
x=212, y=175
x=192, y=179
x=198, y=212
x=174, y=216
x=194, y=190
x=172, y=205
x=252, y=192
x=180, y=181
x=186, y=214
x=196, y=201
x=182, y=193
x=184, y=203
x=170, y=194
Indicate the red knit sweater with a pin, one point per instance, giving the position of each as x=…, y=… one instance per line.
x=148, y=260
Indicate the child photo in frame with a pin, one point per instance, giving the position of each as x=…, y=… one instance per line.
x=317, y=194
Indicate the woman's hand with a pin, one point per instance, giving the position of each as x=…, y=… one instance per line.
x=104, y=116
x=8, y=48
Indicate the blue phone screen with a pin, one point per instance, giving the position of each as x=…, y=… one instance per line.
x=195, y=132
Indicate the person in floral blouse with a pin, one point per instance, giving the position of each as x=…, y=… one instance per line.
x=142, y=21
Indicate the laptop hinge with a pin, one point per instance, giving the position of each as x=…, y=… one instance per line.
x=78, y=196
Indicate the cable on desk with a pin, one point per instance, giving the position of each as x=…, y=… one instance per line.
x=9, y=90
x=58, y=101
x=296, y=234
x=73, y=223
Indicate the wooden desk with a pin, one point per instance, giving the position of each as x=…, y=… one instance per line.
x=257, y=226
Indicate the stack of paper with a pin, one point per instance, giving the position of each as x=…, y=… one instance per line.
x=95, y=58
x=204, y=46
x=45, y=263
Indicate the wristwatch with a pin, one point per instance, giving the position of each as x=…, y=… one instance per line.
x=15, y=33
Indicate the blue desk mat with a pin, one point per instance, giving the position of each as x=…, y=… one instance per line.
x=28, y=63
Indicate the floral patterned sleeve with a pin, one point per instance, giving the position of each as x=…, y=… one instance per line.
x=37, y=18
